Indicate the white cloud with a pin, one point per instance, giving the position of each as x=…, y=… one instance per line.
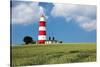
x=89, y=26
x=25, y=13
x=84, y=15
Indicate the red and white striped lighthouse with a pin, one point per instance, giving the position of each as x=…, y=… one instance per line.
x=42, y=30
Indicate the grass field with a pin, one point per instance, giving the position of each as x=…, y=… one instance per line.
x=53, y=54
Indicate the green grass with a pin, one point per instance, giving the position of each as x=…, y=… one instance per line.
x=53, y=54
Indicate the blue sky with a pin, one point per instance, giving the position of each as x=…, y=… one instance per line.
x=66, y=22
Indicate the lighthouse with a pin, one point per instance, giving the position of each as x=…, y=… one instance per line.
x=42, y=30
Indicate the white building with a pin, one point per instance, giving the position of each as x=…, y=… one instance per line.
x=51, y=42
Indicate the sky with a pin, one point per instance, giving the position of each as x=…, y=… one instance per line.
x=65, y=22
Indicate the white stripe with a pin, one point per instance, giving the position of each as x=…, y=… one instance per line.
x=42, y=19
x=42, y=28
x=41, y=37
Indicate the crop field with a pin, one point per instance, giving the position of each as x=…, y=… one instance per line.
x=24, y=55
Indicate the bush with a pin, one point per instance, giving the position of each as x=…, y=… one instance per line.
x=27, y=39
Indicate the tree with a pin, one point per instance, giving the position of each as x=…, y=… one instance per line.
x=27, y=39
x=60, y=42
x=53, y=38
x=49, y=38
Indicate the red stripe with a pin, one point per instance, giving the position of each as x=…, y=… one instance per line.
x=42, y=23
x=41, y=41
x=42, y=32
